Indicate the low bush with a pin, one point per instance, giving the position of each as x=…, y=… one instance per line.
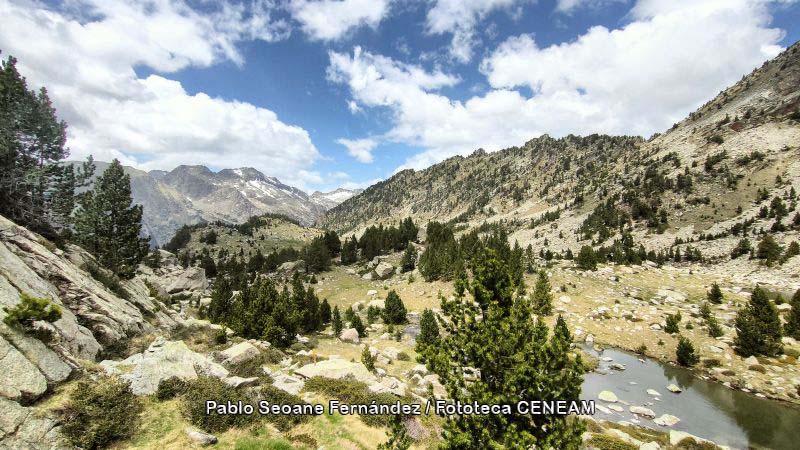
x=606, y=442
x=98, y=414
x=170, y=388
x=31, y=309
x=356, y=392
x=206, y=388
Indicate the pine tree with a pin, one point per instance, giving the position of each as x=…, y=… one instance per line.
x=793, y=321
x=715, y=294
x=673, y=323
x=367, y=359
x=109, y=225
x=394, y=311
x=714, y=330
x=398, y=438
x=359, y=326
x=409, y=260
x=587, y=259
x=325, y=311
x=36, y=190
x=509, y=357
x=350, y=251
x=542, y=300
x=317, y=256
x=336, y=321
x=428, y=329
x=685, y=353
x=758, y=327
x=768, y=250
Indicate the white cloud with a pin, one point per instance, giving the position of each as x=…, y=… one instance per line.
x=88, y=63
x=459, y=18
x=637, y=79
x=360, y=149
x=328, y=20
x=568, y=6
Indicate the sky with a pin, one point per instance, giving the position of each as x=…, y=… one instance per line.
x=344, y=93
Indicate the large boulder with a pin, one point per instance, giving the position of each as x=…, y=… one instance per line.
x=21, y=378
x=162, y=360
x=288, y=383
x=349, y=335
x=292, y=266
x=389, y=385
x=239, y=353
x=337, y=369
x=384, y=270
x=192, y=279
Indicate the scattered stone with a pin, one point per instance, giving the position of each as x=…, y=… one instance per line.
x=237, y=382
x=666, y=420
x=616, y=408
x=384, y=270
x=337, y=369
x=653, y=392
x=642, y=411
x=607, y=396
x=674, y=389
x=372, y=293
x=349, y=335
x=288, y=383
x=239, y=353
x=617, y=366
x=192, y=279
x=201, y=438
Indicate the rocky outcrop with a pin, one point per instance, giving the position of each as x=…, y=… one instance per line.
x=162, y=360
x=192, y=279
x=338, y=369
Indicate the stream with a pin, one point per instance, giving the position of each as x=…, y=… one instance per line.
x=706, y=409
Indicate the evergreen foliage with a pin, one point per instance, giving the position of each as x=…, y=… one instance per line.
x=715, y=294
x=359, y=326
x=793, y=321
x=367, y=359
x=318, y=255
x=409, y=259
x=350, y=251
x=29, y=310
x=36, y=190
x=109, y=226
x=587, y=259
x=509, y=356
x=398, y=438
x=336, y=321
x=542, y=299
x=395, y=311
x=673, y=323
x=769, y=251
x=98, y=414
x=428, y=329
x=758, y=327
x=685, y=353
x=377, y=240
x=325, y=312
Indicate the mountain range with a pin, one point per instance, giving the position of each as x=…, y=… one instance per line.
x=192, y=194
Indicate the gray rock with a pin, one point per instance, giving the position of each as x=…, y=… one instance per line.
x=239, y=353
x=201, y=438
x=349, y=335
x=237, y=382
x=674, y=389
x=642, y=411
x=384, y=270
x=666, y=420
x=288, y=383
x=607, y=396
x=20, y=378
x=337, y=369
x=192, y=279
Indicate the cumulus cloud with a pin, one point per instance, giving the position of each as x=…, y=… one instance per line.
x=360, y=149
x=638, y=79
x=329, y=20
x=459, y=18
x=568, y=6
x=87, y=63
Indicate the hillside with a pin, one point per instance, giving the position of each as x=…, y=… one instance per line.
x=702, y=175
x=193, y=194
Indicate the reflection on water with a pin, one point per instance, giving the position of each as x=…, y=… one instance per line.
x=706, y=409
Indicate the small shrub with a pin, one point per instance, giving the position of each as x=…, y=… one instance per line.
x=254, y=367
x=606, y=442
x=403, y=356
x=356, y=392
x=100, y=413
x=693, y=444
x=170, y=388
x=31, y=309
x=641, y=349
x=673, y=321
x=685, y=353
x=367, y=359
x=206, y=388
x=107, y=279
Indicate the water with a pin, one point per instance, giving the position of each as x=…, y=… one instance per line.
x=706, y=409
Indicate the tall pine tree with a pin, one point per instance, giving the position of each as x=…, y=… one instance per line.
x=758, y=327
x=494, y=337
x=109, y=225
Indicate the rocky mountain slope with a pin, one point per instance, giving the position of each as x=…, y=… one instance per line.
x=702, y=175
x=191, y=194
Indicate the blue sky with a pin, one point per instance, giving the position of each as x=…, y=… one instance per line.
x=335, y=93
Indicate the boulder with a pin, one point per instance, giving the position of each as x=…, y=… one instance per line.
x=288, y=383
x=642, y=411
x=237, y=382
x=162, y=360
x=372, y=293
x=666, y=420
x=21, y=378
x=349, y=335
x=377, y=303
x=384, y=270
x=674, y=389
x=367, y=276
x=337, y=369
x=653, y=392
x=200, y=438
x=607, y=396
x=192, y=279
x=292, y=266
x=650, y=446
x=239, y=353
x=389, y=385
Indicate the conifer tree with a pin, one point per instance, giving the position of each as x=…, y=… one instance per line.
x=428, y=329
x=325, y=311
x=398, y=437
x=359, y=326
x=715, y=294
x=350, y=251
x=758, y=327
x=685, y=353
x=542, y=300
x=109, y=225
x=336, y=321
x=793, y=321
x=768, y=250
x=367, y=359
x=409, y=260
x=510, y=358
x=395, y=311
x=587, y=259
